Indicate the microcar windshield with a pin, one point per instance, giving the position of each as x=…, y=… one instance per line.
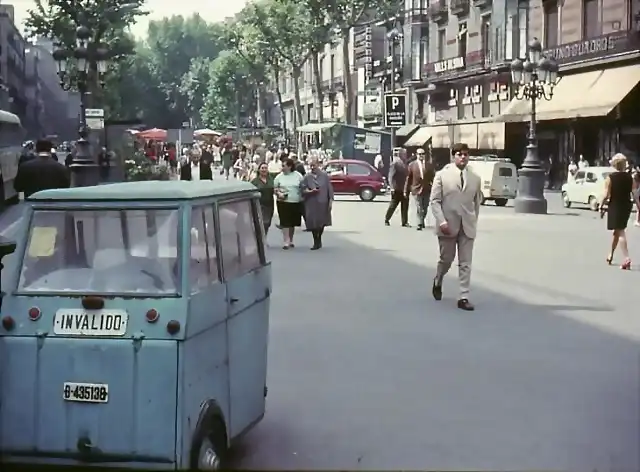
x=129, y=251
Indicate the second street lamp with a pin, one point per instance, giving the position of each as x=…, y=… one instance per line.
x=76, y=68
x=533, y=79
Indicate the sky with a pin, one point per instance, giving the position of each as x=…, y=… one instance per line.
x=210, y=10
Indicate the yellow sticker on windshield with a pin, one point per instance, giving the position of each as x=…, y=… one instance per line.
x=43, y=241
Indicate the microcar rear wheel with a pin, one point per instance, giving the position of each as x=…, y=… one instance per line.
x=212, y=449
x=593, y=203
x=565, y=200
x=367, y=194
x=501, y=202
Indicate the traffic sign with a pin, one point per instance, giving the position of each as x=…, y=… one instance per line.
x=395, y=110
x=95, y=118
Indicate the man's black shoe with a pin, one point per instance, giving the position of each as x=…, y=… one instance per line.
x=386, y=223
x=420, y=227
x=436, y=290
x=406, y=225
x=465, y=305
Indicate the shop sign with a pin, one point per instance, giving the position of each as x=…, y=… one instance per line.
x=449, y=65
x=602, y=46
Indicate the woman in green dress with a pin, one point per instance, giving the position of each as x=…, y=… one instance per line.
x=264, y=183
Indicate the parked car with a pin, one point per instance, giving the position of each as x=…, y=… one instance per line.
x=586, y=187
x=353, y=177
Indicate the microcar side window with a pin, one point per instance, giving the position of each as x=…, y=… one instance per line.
x=129, y=251
x=357, y=169
x=239, y=238
x=203, y=264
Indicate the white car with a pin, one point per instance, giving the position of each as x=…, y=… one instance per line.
x=586, y=187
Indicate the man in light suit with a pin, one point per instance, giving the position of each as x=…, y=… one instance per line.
x=455, y=201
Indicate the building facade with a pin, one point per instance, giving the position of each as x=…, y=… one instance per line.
x=593, y=111
x=12, y=64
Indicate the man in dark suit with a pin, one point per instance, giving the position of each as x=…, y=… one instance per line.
x=397, y=179
x=419, y=182
x=41, y=173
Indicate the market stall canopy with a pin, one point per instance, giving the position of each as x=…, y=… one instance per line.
x=315, y=127
x=206, y=132
x=156, y=134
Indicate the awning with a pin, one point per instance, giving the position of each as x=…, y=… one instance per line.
x=314, y=127
x=467, y=134
x=442, y=136
x=419, y=138
x=587, y=94
x=406, y=130
x=491, y=136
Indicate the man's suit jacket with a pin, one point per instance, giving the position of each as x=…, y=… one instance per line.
x=397, y=175
x=419, y=183
x=456, y=206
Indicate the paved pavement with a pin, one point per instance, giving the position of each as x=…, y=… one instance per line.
x=367, y=371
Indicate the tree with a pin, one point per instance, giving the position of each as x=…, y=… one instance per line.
x=284, y=26
x=195, y=85
x=345, y=15
x=173, y=44
x=230, y=91
x=106, y=19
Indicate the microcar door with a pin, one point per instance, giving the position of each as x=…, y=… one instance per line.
x=338, y=176
x=248, y=280
x=577, y=192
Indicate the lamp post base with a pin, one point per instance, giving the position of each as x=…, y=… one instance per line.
x=85, y=171
x=531, y=182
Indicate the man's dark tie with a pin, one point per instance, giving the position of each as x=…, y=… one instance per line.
x=461, y=179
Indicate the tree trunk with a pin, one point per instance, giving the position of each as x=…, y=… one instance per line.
x=317, y=78
x=347, y=90
x=283, y=116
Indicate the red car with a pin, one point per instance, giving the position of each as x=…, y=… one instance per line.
x=353, y=177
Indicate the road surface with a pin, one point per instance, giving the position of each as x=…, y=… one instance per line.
x=367, y=371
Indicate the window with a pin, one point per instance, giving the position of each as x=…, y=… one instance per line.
x=132, y=252
x=442, y=43
x=591, y=177
x=505, y=172
x=550, y=23
x=332, y=66
x=238, y=239
x=523, y=18
x=334, y=169
x=203, y=263
x=509, y=48
x=485, y=36
x=579, y=175
x=416, y=59
x=357, y=169
x=591, y=27
x=462, y=40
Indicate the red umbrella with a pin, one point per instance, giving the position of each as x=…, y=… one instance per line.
x=155, y=134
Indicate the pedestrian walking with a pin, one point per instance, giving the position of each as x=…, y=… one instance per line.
x=397, y=180
x=204, y=167
x=41, y=173
x=419, y=181
x=618, y=203
x=636, y=195
x=185, y=169
x=265, y=184
x=317, y=195
x=289, y=201
x=456, y=196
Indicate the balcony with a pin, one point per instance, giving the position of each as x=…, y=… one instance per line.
x=460, y=7
x=439, y=11
x=482, y=4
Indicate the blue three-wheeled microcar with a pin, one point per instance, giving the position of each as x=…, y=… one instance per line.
x=134, y=325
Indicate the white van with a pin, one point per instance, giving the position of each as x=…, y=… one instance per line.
x=499, y=178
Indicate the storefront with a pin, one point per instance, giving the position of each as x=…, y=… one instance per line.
x=593, y=110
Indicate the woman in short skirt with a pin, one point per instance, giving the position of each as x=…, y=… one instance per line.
x=289, y=201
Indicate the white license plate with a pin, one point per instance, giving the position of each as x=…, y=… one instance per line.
x=85, y=392
x=78, y=322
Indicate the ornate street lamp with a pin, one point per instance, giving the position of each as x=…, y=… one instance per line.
x=533, y=79
x=75, y=68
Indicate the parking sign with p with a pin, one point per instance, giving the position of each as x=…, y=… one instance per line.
x=395, y=114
